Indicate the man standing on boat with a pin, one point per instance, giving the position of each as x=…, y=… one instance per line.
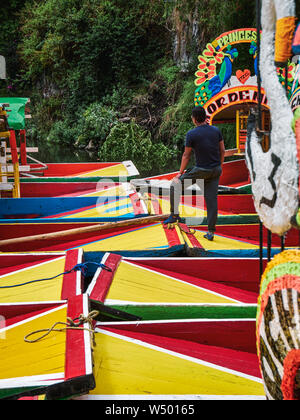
x=208, y=145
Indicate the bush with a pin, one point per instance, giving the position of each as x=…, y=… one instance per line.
x=131, y=142
x=95, y=124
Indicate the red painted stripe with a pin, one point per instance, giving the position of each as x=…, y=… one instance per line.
x=105, y=278
x=137, y=204
x=69, y=288
x=172, y=236
x=17, y=313
x=75, y=343
x=236, y=335
x=68, y=169
x=241, y=360
x=193, y=240
x=155, y=203
x=227, y=290
x=10, y=264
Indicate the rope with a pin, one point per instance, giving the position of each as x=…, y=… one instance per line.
x=71, y=324
x=79, y=267
x=182, y=228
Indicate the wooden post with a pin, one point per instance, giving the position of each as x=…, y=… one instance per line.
x=13, y=146
x=15, y=161
x=23, y=147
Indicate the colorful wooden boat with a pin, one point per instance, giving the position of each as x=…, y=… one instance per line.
x=235, y=178
x=133, y=238
x=190, y=359
x=176, y=288
x=83, y=172
x=75, y=189
x=232, y=208
x=96, y=209
x=236, y=241
x=40, y=277
x=59, y=365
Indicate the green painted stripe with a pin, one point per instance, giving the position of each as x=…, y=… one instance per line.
x=16, y=392
x=165, y=312
x=247, y=219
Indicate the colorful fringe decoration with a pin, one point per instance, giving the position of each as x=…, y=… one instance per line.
x=278, y=326
x=285, y=30
x=296, y=128
x=289, y=381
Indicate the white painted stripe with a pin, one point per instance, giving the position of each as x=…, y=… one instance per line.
x=170, y=321
x=169, y=397
x=87, y=338
x=212, y=305
x=32, y=267
x=26, y=321
x=38, y=380
x=97, y=274
x=78, y=274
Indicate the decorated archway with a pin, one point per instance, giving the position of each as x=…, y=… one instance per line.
x=227, y=86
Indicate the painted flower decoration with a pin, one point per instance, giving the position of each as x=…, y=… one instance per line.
x=206, y=65
x=203, y=76
x=211, y=52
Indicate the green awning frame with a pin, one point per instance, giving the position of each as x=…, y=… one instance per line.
x=16, y=116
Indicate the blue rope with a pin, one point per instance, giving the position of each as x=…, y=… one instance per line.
x=79, y=267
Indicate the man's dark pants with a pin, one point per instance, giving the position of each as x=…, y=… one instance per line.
x=211, y=178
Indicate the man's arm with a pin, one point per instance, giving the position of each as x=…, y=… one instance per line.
x=222, y=151
x=185, y=159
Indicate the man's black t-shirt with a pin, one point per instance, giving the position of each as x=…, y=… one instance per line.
x=205, y=141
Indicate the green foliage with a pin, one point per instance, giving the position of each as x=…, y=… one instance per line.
x=177, y=118
x=131, y=142
x=86, y=47
x=95, y=124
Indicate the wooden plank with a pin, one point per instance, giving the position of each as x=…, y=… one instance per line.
x=89, y=229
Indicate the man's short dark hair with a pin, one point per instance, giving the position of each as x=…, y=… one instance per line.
x=199, y=114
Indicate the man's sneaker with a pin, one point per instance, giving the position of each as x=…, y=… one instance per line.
x=172, y=219
x=209, y=236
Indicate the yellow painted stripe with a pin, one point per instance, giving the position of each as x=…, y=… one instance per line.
x=110, y=192
x=135, y=284
x=126, y=368
x=35, y=292
x=220, y=242
x=184, y=210
x=99, y=211
x=20, y=359
x=116, y=170
x=145, y=238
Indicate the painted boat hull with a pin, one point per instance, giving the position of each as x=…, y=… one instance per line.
x=83, y=172
x=176, y=288
x=98, y=209
x=146, y=240
x=237, y=241
x=40, y=277
x=59, y=366
x=235, y=178
x=199, y=359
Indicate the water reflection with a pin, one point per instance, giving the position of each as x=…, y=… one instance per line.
x=55, y=153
